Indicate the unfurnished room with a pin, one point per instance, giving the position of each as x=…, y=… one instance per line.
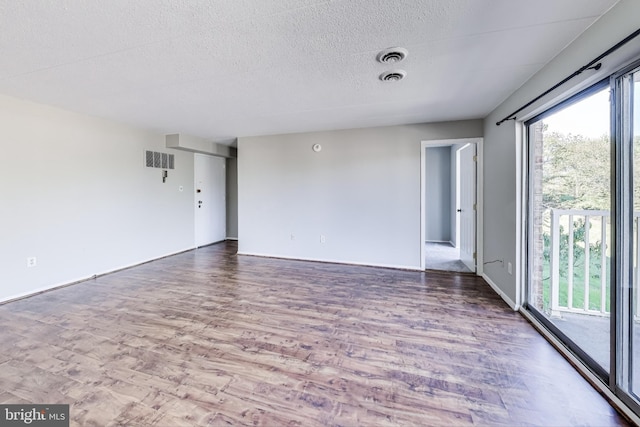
x=320, y=213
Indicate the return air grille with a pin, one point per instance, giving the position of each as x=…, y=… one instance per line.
x=148, y=156
x=155, y=159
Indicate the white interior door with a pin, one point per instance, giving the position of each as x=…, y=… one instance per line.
x=467, y=207
x=210, y=199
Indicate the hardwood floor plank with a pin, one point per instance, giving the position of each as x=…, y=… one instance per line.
x=10, y=398
x=208, y=338
x=33, y=384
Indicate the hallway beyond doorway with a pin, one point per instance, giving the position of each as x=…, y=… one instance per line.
x=443, y=256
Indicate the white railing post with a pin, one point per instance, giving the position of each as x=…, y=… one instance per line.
x=587, y=279
x=603, y=265
x=570, y=266
x=554, y=266
x=557, y=217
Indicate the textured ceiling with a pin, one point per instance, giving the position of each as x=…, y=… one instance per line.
x=220, y=69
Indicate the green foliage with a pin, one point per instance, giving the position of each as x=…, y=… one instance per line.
x=576, y=175
x=576, y=172
x=595, y=250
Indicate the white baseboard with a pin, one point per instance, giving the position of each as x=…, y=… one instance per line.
x=505, y=297
x=594, y=380
x=84, y=279
x=332, y=261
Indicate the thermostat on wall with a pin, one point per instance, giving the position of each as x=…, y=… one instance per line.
x=316, y=147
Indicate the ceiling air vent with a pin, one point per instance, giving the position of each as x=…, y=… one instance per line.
x=392, y=55
x=392, y=76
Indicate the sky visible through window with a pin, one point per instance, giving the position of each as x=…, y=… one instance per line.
x=589, y=117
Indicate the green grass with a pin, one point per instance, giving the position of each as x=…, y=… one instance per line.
x=578, y=284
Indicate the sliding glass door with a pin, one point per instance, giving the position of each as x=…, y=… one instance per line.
x=634, y=315
x=628, y=157
x=570, y=223
x=583, y=227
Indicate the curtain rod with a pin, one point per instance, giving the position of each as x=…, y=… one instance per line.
x=593, y=65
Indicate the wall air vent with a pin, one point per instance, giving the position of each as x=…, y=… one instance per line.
x=155, y=159
x=392, y=55
x=393, y=76
x=148, y=158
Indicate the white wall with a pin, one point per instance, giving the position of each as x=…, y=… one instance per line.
x=362, y=192
x=438, y=194
x=76, y=195
x=502, y=143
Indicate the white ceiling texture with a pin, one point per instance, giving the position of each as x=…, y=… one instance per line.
x=220, y=69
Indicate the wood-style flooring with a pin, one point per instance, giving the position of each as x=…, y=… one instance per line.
x=208, y=338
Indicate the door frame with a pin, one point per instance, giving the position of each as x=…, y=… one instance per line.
x=479, y=195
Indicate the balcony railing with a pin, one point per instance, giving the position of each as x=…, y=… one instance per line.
x=595, y=236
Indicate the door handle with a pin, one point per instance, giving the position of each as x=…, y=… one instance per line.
x=459, y=210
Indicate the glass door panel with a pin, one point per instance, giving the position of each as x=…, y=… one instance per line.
x=570, y=224
x=633, y=130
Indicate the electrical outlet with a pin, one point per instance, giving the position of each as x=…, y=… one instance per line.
x=293, y=236
x=509, y=268
x=322, y=238
x=32, y=261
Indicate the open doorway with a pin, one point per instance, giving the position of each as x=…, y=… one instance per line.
x=450, y=205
